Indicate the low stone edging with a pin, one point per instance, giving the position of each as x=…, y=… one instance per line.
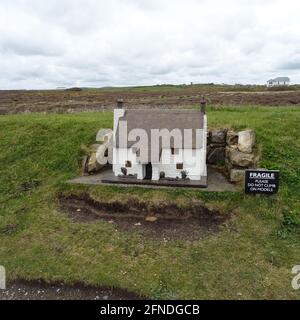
x=234, y=150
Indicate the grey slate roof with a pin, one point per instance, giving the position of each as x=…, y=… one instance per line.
x=162, y=119
x=280, y=79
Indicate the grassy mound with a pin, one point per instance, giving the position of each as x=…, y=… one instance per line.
x=251, y=257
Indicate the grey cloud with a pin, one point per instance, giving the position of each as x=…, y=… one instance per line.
x=130, y=42
x=27, y=47
x=291, y=65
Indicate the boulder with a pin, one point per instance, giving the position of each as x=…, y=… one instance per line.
x=218, y=136
x=228, y=150
x=232, y=138
x=94, y=147
x=84, y=164
x=246, y=141
x=216, y=145
x=103, y=135
x=92, y=164
x=237, y=175
x=151, y=218
x=216, y=155
x=102, y=154
x=228, y=165
x=240, y=159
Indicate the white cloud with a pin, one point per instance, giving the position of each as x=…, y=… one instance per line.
x=45, y=44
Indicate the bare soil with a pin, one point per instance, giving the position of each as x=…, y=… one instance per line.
x=12, y=102
x=163, y=221
x=40, y=290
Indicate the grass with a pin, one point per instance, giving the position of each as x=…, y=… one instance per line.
x=251, y=257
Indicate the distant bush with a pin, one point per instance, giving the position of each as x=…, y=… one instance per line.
x=74, y=89
x=284, y=88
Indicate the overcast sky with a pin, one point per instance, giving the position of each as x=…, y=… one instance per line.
x=53, y=43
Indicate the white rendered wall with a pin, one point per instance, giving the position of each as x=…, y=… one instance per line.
x=118, y=113
x=278, y=83
x=120, y=157
x=194, y=162
x=204, y=155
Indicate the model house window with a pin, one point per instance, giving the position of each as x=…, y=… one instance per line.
x=174, y=151
x=128, y=164
x=179, y=166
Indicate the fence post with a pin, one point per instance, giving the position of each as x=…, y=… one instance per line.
x=203, y=105
x=120, y=103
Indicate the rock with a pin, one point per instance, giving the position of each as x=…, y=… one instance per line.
x=97, y=159
x=237, y=175
x=240, y=159
x=94, y=147
x=92, y=164
x=151, y=219
x=216, y=156
x=246, y=141
x=208, y=137
x=218, y=136
x=228, y=165
x=216, y=145
x=103, y=135
x=84, y=163
x=232, y=138
x=102, y=154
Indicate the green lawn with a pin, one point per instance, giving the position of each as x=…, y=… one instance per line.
x=251, y=257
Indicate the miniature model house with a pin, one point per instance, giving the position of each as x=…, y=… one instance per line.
x=160, y=144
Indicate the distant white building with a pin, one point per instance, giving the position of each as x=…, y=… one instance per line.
x=280, y=81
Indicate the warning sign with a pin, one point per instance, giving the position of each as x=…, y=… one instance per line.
x=261, y=181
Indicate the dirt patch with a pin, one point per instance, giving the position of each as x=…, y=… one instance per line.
x=159, y=221
x=28, y=185
x=39, y=290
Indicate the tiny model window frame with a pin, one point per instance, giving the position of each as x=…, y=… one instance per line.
x=128, y=164
x=179, y=166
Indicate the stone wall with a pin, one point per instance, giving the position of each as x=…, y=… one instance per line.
x=233, y=150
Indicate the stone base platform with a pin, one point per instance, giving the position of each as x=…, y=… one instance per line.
x=215, y=181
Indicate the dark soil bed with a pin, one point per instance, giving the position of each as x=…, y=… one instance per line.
x=20, y=101
x=159, y=221
x=39, y=290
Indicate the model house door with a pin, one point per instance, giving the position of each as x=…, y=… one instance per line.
x=148, y=171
